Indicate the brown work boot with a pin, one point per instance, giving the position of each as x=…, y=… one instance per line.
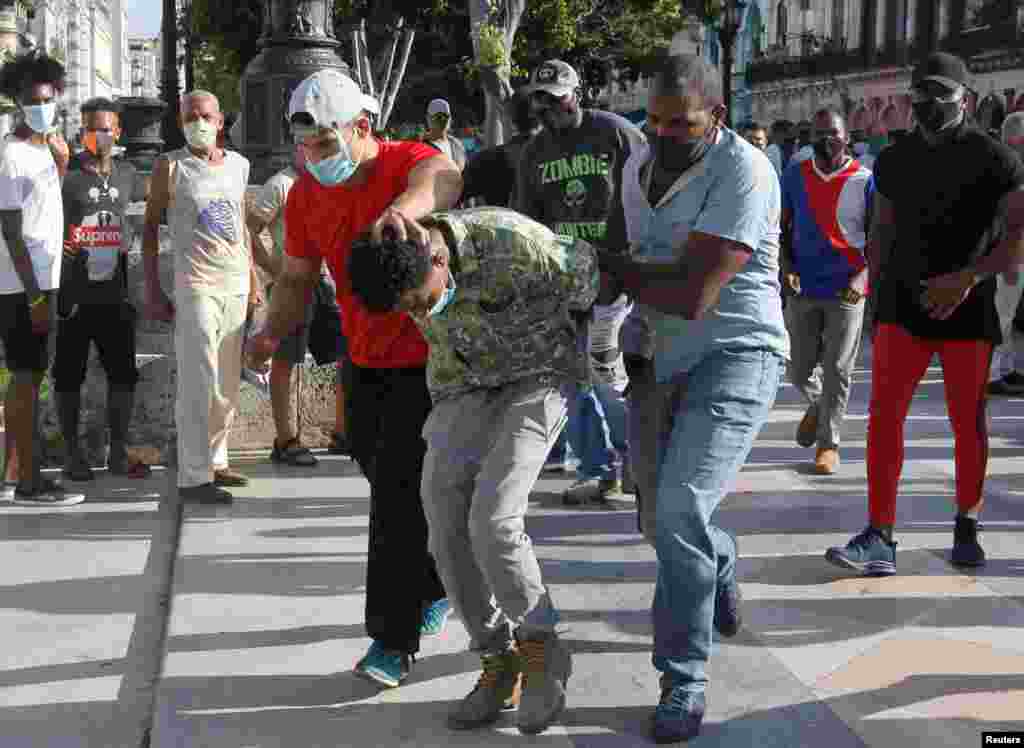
x=807, y=431
x=497, y=691
x=228, y=478
x=547, y=666
x=827, y=461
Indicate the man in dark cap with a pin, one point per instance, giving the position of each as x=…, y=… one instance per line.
x=934, y=249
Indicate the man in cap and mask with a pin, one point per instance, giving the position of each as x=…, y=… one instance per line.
x=569, y=179
x=933, y=257
x=439, y=122
x=355, y=184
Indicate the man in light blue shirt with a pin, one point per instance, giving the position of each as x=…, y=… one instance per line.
x=702, y=208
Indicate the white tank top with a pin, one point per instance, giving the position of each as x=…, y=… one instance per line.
x=205, y=214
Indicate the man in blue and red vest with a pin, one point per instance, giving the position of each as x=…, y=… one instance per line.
x=825, y=202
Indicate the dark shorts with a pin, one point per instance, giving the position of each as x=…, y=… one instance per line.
x=23, y=349
x=292, y=349
x=112, y=328
x=320, y=332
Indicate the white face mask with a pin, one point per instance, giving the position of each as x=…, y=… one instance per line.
x=201, y=135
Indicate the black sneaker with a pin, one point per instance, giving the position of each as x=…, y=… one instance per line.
x=967, y=551
x=678, y=716
x=1011, y=385
x=728, y=602
x=206, y=493
x=48, y=493
x=869, y=553
x=339, y=445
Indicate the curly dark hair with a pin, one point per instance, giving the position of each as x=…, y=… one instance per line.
x=101, y=104
x=380, y=272
x=27, y=70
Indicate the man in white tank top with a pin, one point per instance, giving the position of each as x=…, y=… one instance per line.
x=202, y=188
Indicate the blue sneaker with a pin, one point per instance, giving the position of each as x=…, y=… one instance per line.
x=385, y=667
x=869, y=553
x=435, y=616
x=678, y=716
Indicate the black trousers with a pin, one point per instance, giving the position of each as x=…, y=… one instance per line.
x=112, y=328
x=388, y=410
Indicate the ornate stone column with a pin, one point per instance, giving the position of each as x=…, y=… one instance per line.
x=298, y=39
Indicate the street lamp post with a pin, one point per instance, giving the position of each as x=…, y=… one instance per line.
x=729, y=21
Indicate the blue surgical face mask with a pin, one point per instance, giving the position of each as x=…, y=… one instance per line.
x=335, y=169
x=40, y=117
x=446, y=297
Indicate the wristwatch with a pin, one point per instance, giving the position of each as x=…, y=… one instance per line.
x=850, y=296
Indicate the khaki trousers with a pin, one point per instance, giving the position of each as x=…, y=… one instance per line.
x=208, y=333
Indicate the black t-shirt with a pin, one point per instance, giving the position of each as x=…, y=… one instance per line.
x=571, y=181
x=94, y=208
x=946, y=198
x=491, y=174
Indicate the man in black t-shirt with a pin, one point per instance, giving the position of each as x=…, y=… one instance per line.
x=93, y=304
x=934, y=249
x=491, y=174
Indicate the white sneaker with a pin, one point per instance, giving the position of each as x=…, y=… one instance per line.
x=7, y=491
x=49, y=494
x=591, y=491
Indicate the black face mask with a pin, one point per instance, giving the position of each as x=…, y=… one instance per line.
x=933, y=115
x=829, y=150
x=672, y=156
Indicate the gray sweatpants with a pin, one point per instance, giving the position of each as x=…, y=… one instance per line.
x=825, y=331
x=485, y=450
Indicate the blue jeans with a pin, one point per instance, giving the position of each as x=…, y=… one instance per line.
x=597, y=430
x=717, y=415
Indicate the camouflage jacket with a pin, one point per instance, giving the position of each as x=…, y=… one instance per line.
x=516, y=284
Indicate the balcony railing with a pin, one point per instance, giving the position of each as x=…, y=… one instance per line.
x=819, y=65
x=1006, y=35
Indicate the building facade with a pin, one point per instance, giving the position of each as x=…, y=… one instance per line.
x=857, y=56
x=144, y=61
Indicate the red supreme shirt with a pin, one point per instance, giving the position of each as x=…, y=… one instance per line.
x=321, y=223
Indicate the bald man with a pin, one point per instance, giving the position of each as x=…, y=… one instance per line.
x=202, y=188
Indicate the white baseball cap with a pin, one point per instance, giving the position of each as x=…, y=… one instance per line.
x=371, y=104
x=328, y=97
x=438, y=106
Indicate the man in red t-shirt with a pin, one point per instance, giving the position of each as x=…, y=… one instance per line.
x=354, y=183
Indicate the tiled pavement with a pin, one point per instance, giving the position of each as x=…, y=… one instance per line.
x=267, y=609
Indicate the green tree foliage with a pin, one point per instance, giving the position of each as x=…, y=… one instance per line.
x=593, y=35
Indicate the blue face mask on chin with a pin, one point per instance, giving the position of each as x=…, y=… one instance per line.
x=335, y=169
x=446, y=298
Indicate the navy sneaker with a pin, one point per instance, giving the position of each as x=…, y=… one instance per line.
x=869, y=553
x=386, y=667
x=434, y=617
x=678, y=716
x=967, y=551
x=728, y=601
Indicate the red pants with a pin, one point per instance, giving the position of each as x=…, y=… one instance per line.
x=899, y=362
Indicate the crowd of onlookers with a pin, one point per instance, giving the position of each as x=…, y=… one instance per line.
x=634, y=296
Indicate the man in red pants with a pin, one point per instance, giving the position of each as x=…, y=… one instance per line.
x=933, y=252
